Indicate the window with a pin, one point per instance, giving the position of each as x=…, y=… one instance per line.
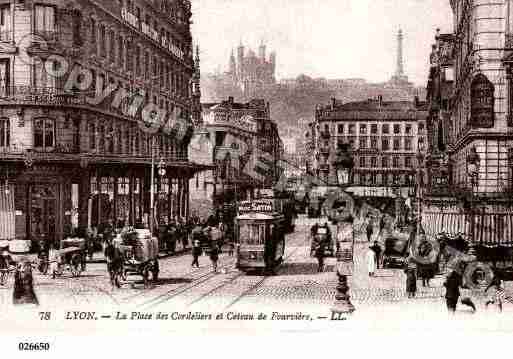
x=397, y=129
x=407, y=144
x=407, y=129
x=121, y=58
x=147, y=65
x=138, y=60
x=363, y=142
x=112, y=46
x=128, y=59
x=352, y=129
x=408, y=162
x=384, y=162
x=103, y=45
x=374, y=143
x=93, y=34
x=340, y=128
x=397, y=144
x=5, y=23
x=44, y=20
x=385, y=144
x=77, y=29
x=44, y=134
x=42, y=79
x=4, y=76
x=374, y=162
x=385, y=129
x=396, y=180
x=421, y=126
x=5, y=132
x=363, y=129
x=374, y=129
x=362, y=162
x=395, y=162
x=92, y=136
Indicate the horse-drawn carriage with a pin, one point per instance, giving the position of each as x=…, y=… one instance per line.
x=71, y=256
x=320, y=236
x=139, y=252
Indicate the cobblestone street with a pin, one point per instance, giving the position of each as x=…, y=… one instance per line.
x=296, y=285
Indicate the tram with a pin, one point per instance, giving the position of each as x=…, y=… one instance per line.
x=260, y=235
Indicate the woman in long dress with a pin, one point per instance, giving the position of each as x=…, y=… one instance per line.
x=371, y=261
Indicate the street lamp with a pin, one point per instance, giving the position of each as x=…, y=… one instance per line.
x=420, y=183
x=473, y=161
x=343, y=165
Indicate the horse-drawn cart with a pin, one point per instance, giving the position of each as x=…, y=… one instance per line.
x=71, y=256
x=140, y=255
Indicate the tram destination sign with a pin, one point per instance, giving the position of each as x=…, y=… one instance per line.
x=259, y=205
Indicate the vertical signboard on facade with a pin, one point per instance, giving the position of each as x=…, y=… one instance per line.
x=482, y=102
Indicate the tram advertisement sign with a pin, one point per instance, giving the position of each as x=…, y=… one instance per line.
x=259, y=205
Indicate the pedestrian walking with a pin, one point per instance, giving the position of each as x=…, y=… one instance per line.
x=214, y=255
x=320, y=253
x=411, y=278
x=5, y=264
x=196, y=252
x=452, y=293
x=370, y=256
x=377, y=249
x=498, y=293
x=370, y=230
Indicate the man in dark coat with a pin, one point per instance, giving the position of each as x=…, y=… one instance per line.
x=370, y=230
x=452, y=290
x=377, y=249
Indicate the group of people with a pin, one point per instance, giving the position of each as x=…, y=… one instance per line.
x=208, y=237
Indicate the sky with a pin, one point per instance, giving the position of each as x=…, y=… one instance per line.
x=323, y=38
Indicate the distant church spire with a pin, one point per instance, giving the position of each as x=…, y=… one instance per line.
x=400, y=65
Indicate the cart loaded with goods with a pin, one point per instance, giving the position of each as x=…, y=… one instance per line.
x=71, y=256
x=140, y=253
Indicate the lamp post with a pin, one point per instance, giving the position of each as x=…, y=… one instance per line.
x=473, y=172
x=345, y=249
x=420, y=184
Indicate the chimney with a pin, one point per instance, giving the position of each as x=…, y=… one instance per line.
x=333, y=103
x=380, y=100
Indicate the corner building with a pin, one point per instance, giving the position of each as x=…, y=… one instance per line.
x=478, y=115
x=67, y=164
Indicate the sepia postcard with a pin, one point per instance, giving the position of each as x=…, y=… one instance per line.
x=254, y=167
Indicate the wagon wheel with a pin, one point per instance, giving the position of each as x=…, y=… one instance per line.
x=75, y=264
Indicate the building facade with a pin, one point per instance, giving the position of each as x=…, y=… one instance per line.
x=77, y=79
x=234, y=139
x=384, y=138
x=480, y=111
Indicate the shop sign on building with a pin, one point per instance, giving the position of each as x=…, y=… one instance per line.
x=482, y=102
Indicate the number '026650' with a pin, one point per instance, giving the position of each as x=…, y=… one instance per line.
x=34, y=346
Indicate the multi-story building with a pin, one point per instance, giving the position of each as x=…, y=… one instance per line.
x=384, y=138
x=481, y=121
x=77, y=79
x=233, y=138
